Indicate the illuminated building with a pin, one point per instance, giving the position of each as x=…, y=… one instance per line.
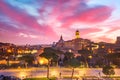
x=77, y=34
x=117, y=45
x=74, y=45
x=118, y=40
x=105, y=48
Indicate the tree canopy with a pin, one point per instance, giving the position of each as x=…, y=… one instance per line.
x=108, y=70
x=29, y=58
x=74, y=63
x=50, y=53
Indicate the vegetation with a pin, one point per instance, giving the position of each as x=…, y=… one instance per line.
x=53, y=78
x=27, y=59
x=85, y=53
x=108, y=70
x=67, y=58
x=113, y=58
x=69, y=77
x=50, y=54
x=112, y=77
x=73, y=63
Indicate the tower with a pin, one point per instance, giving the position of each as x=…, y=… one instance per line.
x=118, y=40
x=60, y=43
x=61, y=39
x=77, y=35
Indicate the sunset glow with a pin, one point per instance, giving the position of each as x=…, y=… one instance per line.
x=44, y=21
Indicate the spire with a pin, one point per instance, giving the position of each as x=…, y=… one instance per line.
x=61, y=39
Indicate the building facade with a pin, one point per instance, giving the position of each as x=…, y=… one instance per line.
x=75, y=44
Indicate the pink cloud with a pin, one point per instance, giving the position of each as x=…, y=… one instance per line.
x=49, y=32
x=24, y=19
x=97, y=14
x=90, y=16
x=105, y=39
x=20, y=17
x=114, y=29
x=89, y=30
x=57, y=14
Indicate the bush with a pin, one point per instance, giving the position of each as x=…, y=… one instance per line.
x=108, y=70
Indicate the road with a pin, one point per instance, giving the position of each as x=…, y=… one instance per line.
x=41, y=72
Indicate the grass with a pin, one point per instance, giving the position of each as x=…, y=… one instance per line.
x=75, y=77
x=43, y=78
x=68, y=77
x=112, y=77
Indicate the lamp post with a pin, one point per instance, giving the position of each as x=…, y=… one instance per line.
x=90, y=62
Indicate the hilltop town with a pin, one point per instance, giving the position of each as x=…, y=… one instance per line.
x=95, y=53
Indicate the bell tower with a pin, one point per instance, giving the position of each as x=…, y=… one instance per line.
x=77, y=34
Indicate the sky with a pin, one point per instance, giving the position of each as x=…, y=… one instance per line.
x=44, y=21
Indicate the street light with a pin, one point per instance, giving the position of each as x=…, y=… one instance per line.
x=42, y=61
x=9, y=50
x=90, y=57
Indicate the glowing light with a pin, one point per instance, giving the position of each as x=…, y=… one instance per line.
x=82, y=72
x=19, y=51
x=14, y=62
x=90, y=57
x=42, y=61
x=27, y=51
x=23, y=75
x=77, y=34
x=54, y=73
x=3, y=62
x=9, y=51
x=103, y=46
x=34, y=51
x=97, y=46
x=109, y=51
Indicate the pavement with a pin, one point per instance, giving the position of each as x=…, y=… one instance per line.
x=54, y=71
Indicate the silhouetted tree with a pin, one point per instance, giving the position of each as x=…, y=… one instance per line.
x=108, y=70
x=67, y=58
x=113, y=58
x=85, y=53
x=73, y=63
x=50, y=54
x=27, y=58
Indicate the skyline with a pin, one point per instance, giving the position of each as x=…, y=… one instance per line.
x=44, y=21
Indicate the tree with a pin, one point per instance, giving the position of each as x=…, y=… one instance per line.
x=114, y=58
x=67, y=57
x=27, y=58
x=73, y=63
x=85, y=53
x=108, y=70
x=50, y=54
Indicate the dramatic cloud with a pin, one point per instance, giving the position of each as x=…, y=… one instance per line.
x=43, y=21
